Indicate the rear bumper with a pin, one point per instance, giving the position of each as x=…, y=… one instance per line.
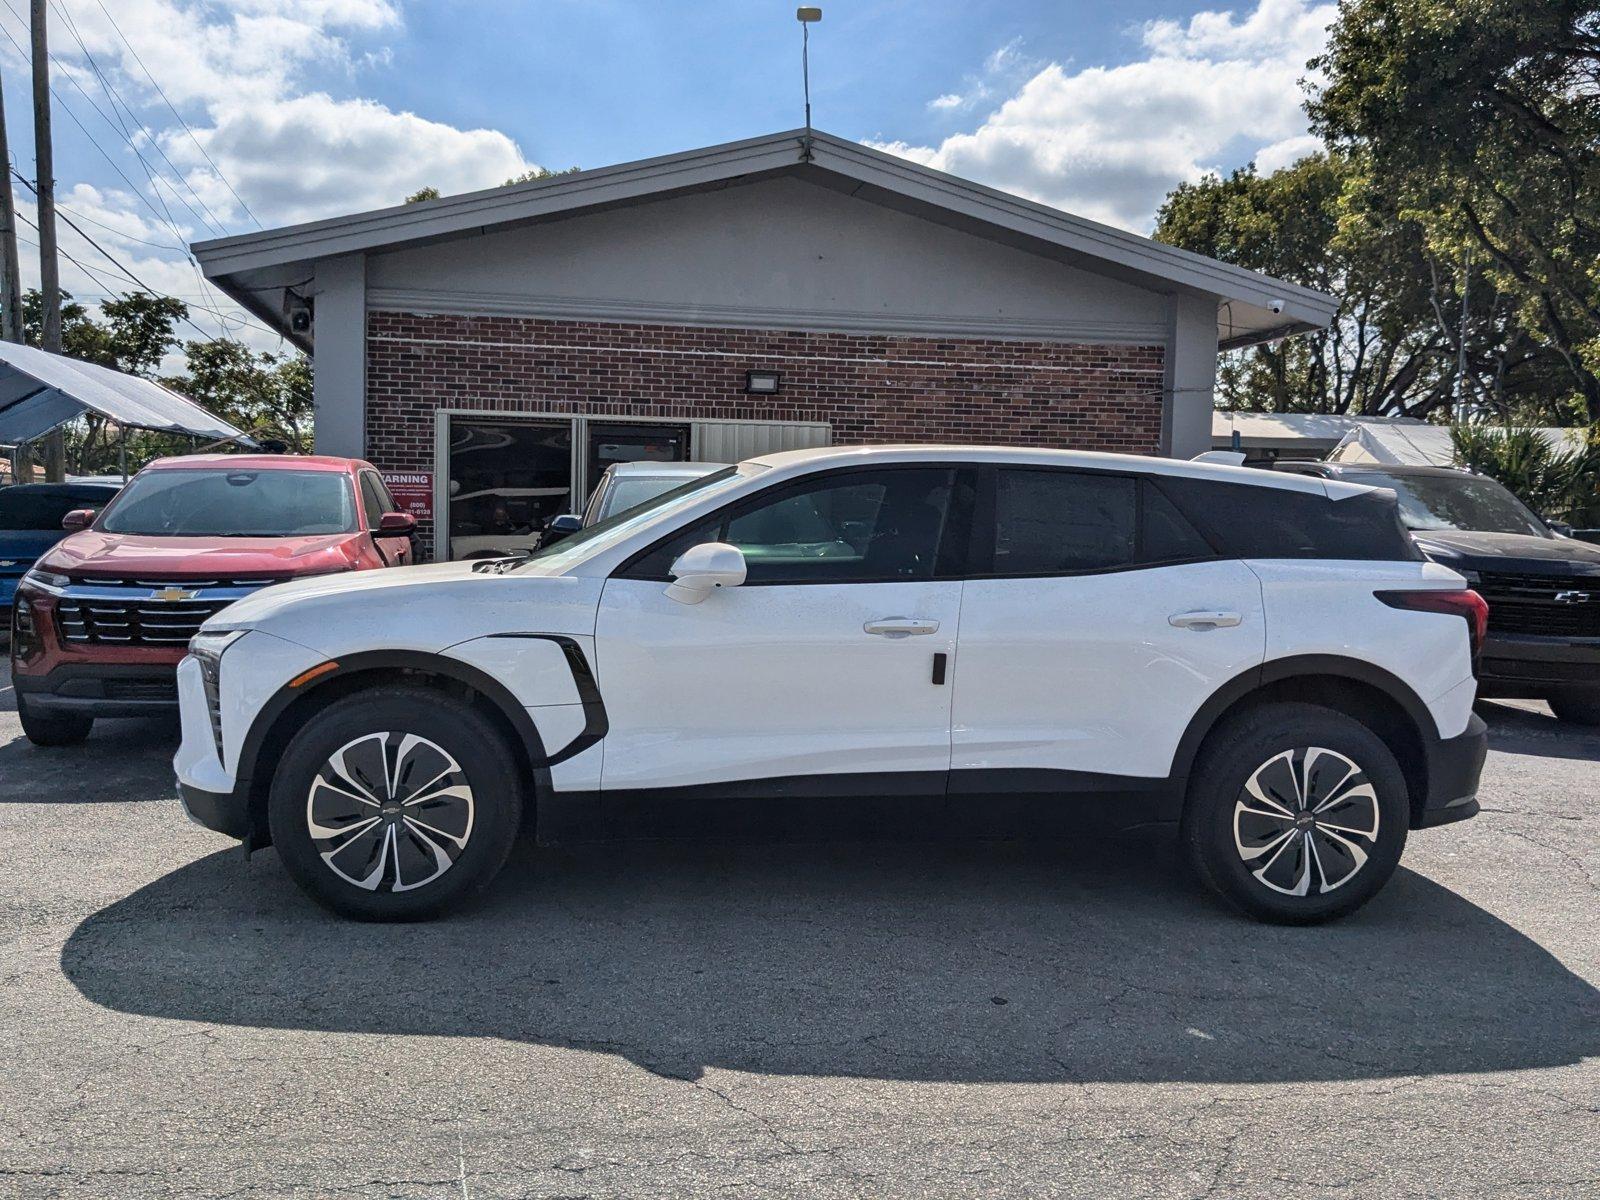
x=101, y=689
x=1454, y=768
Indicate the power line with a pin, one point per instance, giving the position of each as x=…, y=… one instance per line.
x=114, y=261
x=160, y=91
x=115, y=96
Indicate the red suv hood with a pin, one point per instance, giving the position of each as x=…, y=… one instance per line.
x=124, y=554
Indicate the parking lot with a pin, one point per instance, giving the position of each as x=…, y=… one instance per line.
x=832, y=1020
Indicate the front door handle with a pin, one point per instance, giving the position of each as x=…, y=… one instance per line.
x=900, y=627
x=1201, y=621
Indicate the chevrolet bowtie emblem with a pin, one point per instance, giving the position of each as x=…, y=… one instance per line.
x=7, y=563
x=1571, y=597
x=173, y=594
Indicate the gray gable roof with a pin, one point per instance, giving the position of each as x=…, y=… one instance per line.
x=254, y=268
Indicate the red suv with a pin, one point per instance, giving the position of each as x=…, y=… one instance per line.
x=101, y=621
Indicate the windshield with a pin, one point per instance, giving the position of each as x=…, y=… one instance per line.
x=614, y=528
x=223, y=503
x=23, y=507
x=1467, y=502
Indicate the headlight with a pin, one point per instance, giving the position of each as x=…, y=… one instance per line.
x=47, y=581
x=206, y=648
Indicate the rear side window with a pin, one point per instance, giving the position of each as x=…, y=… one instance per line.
x=1050, y=522
x=1053, y=522
x=1242, y=521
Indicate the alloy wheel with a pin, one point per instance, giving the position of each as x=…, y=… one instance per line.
x=1306, y=821
x=390, y=811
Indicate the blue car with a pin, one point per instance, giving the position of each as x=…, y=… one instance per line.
x=30, y=523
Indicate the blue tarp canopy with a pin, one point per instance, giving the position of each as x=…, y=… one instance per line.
x=39, y=391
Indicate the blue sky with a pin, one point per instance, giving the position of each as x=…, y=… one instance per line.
x=207, y=116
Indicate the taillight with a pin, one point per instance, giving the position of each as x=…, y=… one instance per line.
x=1465, y=603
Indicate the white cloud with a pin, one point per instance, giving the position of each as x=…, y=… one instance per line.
x=948, y=100
x=1110, y=142
x=258, y=83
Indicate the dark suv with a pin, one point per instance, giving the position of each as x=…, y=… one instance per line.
x=1543, y=589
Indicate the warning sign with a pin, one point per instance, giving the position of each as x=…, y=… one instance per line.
x=412, y=491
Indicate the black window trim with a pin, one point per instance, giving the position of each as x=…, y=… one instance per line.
x=776, y=492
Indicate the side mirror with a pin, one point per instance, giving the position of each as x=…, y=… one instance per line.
x=395, y=525
x=702, y=569
x=1558, y=527
x=78, y=518
x=560, y=527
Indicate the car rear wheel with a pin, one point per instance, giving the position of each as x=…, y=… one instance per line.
x=395, y=804
x=1296, y=814
x=1577, y=708
x=52, y=729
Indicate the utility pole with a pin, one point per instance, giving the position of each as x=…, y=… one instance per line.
x=10, y=278
x=55, y=458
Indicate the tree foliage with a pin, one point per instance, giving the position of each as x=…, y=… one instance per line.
x=1482, y=121
x=1560, y=482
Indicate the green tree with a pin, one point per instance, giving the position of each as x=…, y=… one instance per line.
x=537, y=173
x=425, y=193
x=1482, y=120
x=262, y=394
x=1390, y=349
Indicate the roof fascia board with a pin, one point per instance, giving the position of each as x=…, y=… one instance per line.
x=469, y=213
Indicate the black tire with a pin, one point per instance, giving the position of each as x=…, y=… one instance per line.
x=408, y=734
x=1577, y=708
x=53, y=729
x=1256, y=859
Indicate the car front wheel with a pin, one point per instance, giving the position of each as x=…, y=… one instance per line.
x=1296, y=814
x=395, y=804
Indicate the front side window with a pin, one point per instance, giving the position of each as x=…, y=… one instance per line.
x=372, y=499
x=852, y=527
x=216, y=502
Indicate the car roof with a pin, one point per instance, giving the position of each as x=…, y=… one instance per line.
x=666, y=470
x=799, y=461
x=258, y=462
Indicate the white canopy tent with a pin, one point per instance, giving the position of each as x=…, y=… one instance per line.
x=39, y=391
x=1420, y=445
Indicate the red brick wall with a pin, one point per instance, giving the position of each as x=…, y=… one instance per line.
x=868, y=387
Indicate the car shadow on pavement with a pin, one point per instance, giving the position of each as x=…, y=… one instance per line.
x=979, y=962
x=115, y=765
x=1517, y=730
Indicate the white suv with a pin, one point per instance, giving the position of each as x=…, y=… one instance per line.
x=1260, y=660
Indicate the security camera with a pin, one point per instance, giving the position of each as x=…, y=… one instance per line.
x=1275, y=305
x=301, y=311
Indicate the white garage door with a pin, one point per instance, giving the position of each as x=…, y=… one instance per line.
x=734, y=441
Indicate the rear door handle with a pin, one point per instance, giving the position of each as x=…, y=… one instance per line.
x=1201, y=621
x=900, y=627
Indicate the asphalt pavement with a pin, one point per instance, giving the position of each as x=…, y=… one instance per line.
x=823, y=1019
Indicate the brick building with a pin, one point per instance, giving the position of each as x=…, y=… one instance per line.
x=493, y=352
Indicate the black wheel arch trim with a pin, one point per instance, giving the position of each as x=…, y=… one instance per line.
x=596, y=724
x=1294, y=666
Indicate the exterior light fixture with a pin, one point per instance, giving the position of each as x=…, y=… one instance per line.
x=762, y=383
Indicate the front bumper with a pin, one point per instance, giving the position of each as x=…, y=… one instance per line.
x=224, y=812
x=101, y=689
x=1454, y=768
x=1527, y=667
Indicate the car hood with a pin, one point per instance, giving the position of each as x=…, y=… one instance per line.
x=423, y=608
x=1509, y=552
x=92, y=552
x=22, y=546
